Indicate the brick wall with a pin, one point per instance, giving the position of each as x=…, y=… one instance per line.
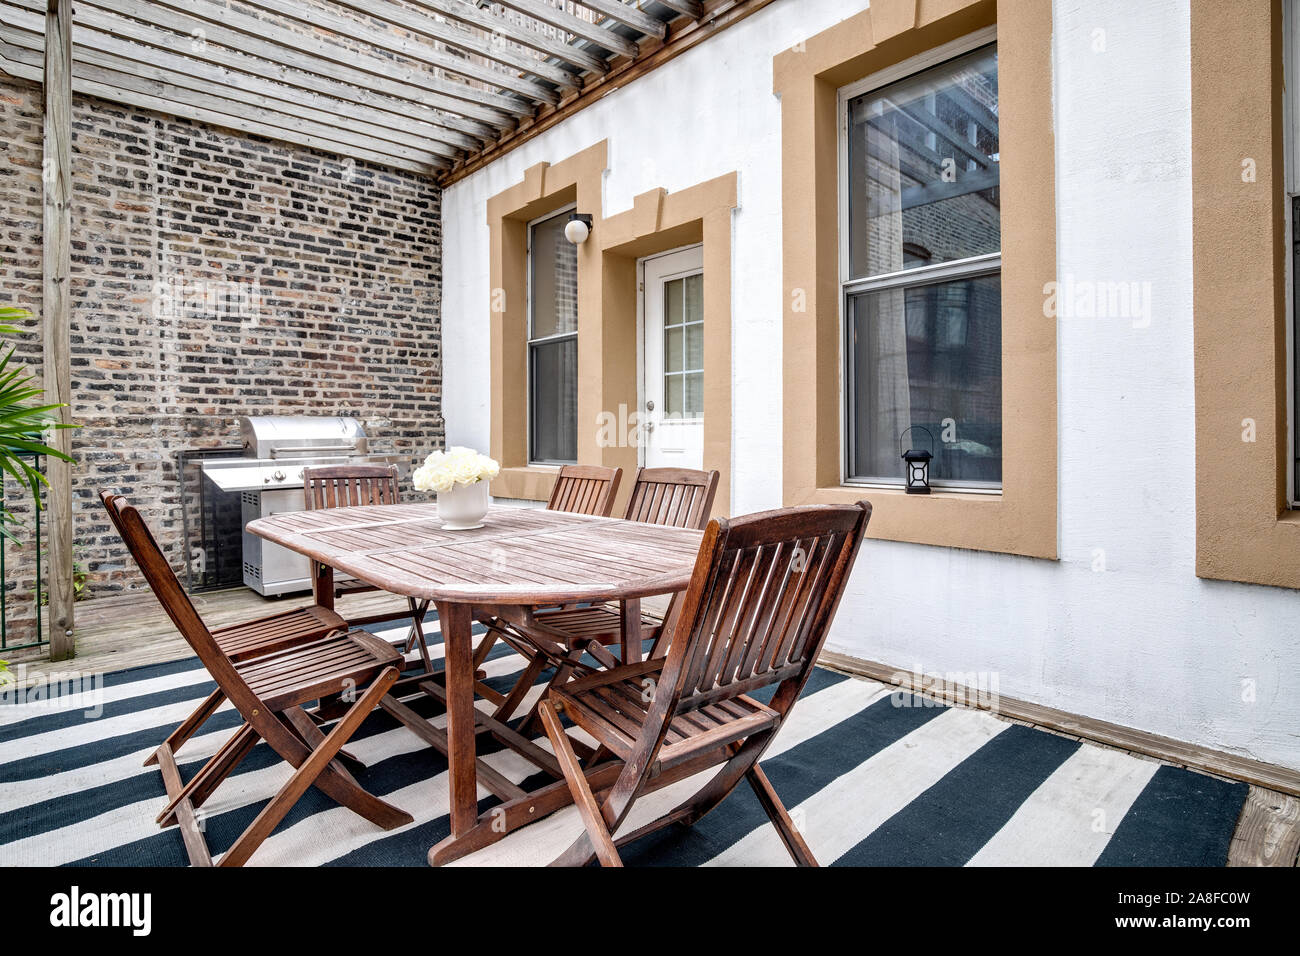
x=217, y=274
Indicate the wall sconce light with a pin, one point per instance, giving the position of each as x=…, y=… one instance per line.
x=578, y=228
x=916, y=475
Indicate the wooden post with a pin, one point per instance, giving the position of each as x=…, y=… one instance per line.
x=56, y=316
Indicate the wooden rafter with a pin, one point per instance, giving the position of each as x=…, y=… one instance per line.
x=502, y=30
x=94, y=72
x=105, y=49
x=198, y=20
x=439, y=86
x=687, y=8
x=107, y=85
x=602, y=36
x=629, y=15
x=153, y=43
x=684, y=33
x=295, y=67
x=386, y=40
x=471, y=42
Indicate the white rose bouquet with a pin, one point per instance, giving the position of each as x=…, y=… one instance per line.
x=444, y=470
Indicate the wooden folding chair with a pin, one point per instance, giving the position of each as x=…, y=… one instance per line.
x=344, y=486
x=761, y=600
x=244, y=641
x=585, y=490
x=676, y=497
x=578, y=489
x=560, y=637
x=269, y=692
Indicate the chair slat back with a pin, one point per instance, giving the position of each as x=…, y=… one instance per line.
x=760, y=603
x=171, y=595
x=585, y=490
x=677, y=497
x=342, y=486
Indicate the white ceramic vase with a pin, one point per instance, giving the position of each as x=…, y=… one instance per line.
x=463, y=507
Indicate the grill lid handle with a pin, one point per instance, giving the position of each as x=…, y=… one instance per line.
x=298, y=449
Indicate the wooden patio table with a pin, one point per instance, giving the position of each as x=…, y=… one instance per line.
x=520, y=558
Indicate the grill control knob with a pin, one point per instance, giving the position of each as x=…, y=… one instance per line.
x=278, y=476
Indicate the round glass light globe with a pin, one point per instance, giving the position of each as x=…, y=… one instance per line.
x=577, y=231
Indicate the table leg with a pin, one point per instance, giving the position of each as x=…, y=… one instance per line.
x=630, y=630
x=322, y=584
x=458, y=645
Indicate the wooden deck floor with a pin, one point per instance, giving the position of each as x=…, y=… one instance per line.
x=132, y=631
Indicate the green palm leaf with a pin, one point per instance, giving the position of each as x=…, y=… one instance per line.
x=23, y=425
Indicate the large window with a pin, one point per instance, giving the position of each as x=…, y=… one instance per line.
x=552, y=342
x=921, y=266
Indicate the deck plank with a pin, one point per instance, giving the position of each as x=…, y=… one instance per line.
x=132, y=630
x=1268, y=832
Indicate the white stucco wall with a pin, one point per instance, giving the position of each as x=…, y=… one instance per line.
x=1119, y=628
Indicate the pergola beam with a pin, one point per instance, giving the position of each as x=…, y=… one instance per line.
x=437, y=30
x=421, y=104
x=682, y=37
x=246, y=88
x=375, y=78
x=284, y=47
x=253, y=28
x=106, y=85
x=603, y=37
x=56, y=318
x=273, y=79
x=634, y=17
x=364, y=141
x=499, y=27
x=687, y=8
x=389, y=41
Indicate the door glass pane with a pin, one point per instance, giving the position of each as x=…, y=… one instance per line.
x=683, y=333
x=554, y=275
x=694, y=298
x=923, y=168
x=554, y=405
x=673, y=395
x=674, y=301
x=928, y=356
x=673, y=349
x=693, y=400
x=694, y=347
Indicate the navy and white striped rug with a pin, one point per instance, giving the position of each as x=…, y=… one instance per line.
x=871, y=775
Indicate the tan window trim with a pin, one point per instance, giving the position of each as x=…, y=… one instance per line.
x=544, y=188
x=660, y=221
x=1023, y=518
x=607, y=313
x=1245, y=530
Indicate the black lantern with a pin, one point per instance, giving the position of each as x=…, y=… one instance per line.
x=916, y=475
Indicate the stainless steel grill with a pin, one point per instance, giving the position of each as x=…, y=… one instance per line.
x=269, y=481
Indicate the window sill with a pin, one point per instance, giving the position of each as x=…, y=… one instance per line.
x=951, y=519
x=935, y=490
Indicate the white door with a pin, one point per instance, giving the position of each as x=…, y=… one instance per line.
x=672, y=360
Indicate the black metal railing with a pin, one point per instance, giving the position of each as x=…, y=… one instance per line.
x=16, y=615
